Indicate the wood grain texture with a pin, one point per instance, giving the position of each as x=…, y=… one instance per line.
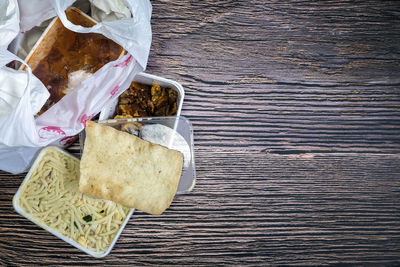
x=296, y=112
x=278, y=209
x=285, y=76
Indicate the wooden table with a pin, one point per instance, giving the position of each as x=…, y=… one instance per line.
x=296, y=112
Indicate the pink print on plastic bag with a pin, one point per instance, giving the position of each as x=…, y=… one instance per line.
x=86, y=118
x=113, y=91
x=124, y=63
x=50, y=131
x=68, y=140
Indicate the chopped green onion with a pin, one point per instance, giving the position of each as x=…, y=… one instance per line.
x=76, y=225
x=87, y=218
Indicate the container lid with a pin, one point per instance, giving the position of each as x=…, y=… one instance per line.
x=172, y=132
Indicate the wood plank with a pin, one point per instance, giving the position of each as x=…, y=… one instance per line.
x=294, y=42
x=247, y=208
x=296, y=111
x=283, y=76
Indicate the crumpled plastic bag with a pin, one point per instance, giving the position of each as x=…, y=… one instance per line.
x=12, y=88
x=100, y=10
x=13, y=82
x=21, y=134
x=106, y=10
x=9, y=19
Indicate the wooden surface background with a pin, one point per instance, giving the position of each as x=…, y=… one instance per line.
x=296, y=112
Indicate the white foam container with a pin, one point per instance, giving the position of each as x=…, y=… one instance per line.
x=144, y=78
x=45, y=42
x=24, y=213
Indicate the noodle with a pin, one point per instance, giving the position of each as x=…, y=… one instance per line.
x=51, y=196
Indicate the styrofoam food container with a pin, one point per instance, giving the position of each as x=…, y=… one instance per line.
x=169, y=131
x=24, y=213
x=44, y=44
x=144, y=78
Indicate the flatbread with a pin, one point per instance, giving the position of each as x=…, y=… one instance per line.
x=123, y=168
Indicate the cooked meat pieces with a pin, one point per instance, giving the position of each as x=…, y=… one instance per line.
x=141, y=100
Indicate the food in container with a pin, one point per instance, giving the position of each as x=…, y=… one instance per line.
x=61, y=58
x=138, y=106
x=119, y=166
x=141, y=100
x=49, y=197
x=171, y=132
x=162, y=135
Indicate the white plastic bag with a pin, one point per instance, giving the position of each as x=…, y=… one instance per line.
x=9, y=19
x=21, y=135
x=106, y=10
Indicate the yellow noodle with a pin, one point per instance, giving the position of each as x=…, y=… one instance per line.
x=109, y=232
x=51, y=196
x=98, y=229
